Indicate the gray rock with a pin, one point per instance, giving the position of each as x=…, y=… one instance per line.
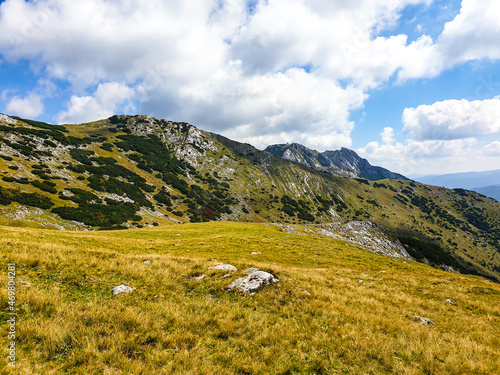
x=227, y=276
x=250, y=270
x=306, y=293
x=148, y=262
x=256, y=253
x=451, y=301
x=122, y=288
x=199, y=278
x=423, y=320
x=253, y=282
x=223, y=267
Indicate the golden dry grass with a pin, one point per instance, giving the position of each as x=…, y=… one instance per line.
x=358, y=318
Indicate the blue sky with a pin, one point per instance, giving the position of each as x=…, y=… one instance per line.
x=412, y=85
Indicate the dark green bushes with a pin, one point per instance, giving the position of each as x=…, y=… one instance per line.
x=7, y=196
x=47, y=186
x=82, y=155
x=100, y=215
x=300, y=208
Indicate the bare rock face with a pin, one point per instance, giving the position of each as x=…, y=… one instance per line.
x=224, y=267
x=253, y=282
x=122, y=288
x=7, y=119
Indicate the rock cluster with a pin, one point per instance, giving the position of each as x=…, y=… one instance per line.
x=369, y=236
x=255, y=280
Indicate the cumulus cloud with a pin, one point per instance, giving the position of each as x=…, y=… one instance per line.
x=453, y=119
x=388, y=136
x=102, y=104
x=471, y=35
x=30, y=106
x=282, y=70
x=424, y=157
x=262, y=75
x=492, y=149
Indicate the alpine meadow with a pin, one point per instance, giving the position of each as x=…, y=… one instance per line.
x=370, y=276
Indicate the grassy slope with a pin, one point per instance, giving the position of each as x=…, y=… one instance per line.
x=254, y=177
x=172, y=324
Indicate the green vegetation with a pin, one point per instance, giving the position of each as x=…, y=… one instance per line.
x=7, y=196
x=291, y=207
x=173, y=179
x=105, y=216
x=45, y=186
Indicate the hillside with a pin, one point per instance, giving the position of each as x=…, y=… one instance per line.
x=336, y=310
x=343, y=162
x=137, y=171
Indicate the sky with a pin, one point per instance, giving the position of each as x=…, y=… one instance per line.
x=411, y=85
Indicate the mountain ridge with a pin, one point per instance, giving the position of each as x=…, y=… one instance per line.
x=343, y=162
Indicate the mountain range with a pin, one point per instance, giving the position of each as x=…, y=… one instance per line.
x=343, y=162
x=138, y=171
x=486, y=183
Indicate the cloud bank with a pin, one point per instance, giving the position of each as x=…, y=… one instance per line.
x=258, y=71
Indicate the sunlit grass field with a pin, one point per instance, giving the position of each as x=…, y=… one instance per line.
x=357, y=316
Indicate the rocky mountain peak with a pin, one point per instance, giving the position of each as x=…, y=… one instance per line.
x=344, y=162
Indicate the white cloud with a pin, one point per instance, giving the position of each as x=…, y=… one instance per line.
x=425, y=157
x=471, y=35
x=213, y=64
x=492, y=149
x=105, y=101
x=30, y=106
x=388, y=136
x=293, y=70
x=453, y=119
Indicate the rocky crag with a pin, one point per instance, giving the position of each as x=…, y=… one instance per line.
x=343, y=162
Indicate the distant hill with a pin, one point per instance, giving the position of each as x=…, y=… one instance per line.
x=489, y=191
x=486, y=183
x=343, y=162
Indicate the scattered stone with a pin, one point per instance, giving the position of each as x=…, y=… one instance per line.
x=148, y=262
x=361, y=281
x=227, y=276
x=253, y=282
x=122, y=288
x=448, y=269
x=223, y=267
x=256, y=253
x=199, y=278
x=451, y=301
x=250, y=270
x=306, y=293
x=365, y=275
x=423, y=320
